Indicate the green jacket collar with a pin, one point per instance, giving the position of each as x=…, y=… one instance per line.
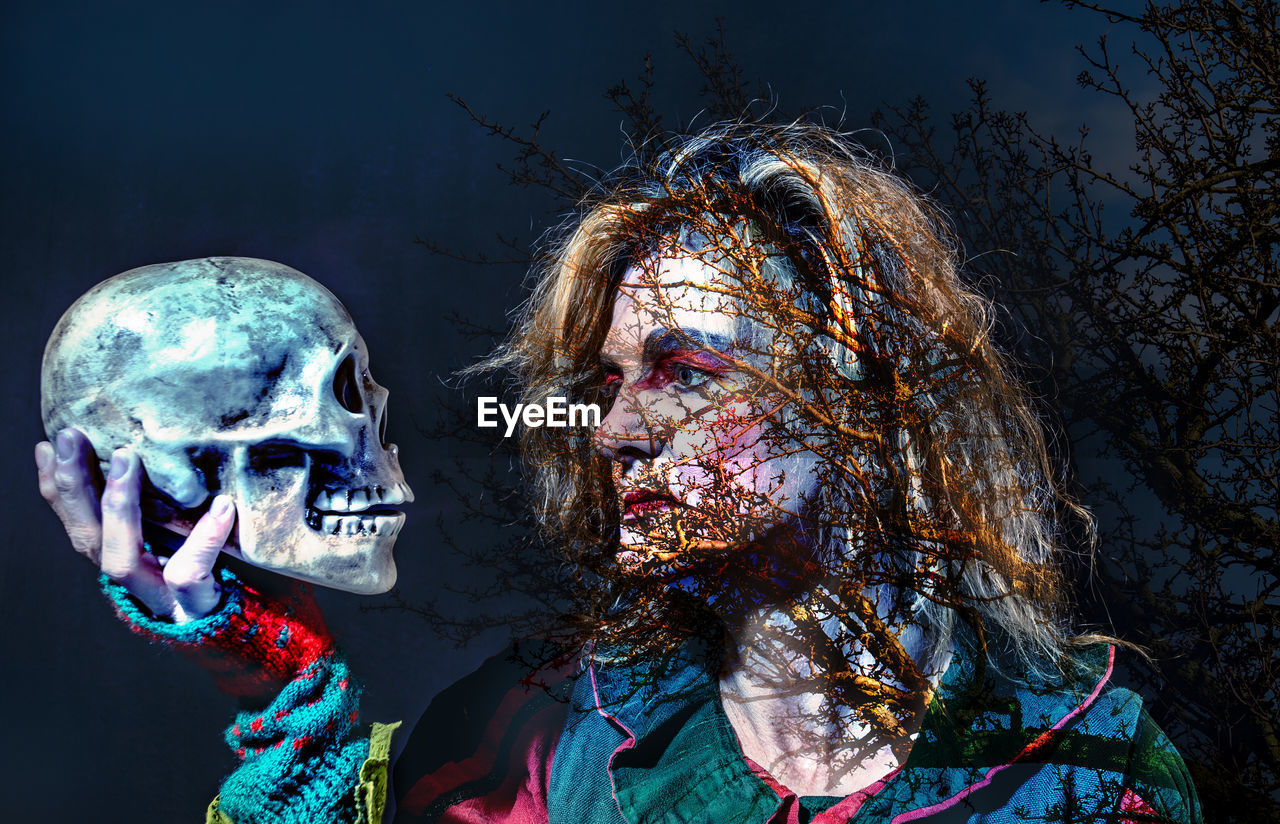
x=979, y=719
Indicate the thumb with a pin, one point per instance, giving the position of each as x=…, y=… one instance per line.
x=189, y=572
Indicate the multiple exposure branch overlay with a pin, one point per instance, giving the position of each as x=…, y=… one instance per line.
x=1148, y=298
x=1145, y=300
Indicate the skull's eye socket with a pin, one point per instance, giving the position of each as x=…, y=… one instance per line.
x=345, y=388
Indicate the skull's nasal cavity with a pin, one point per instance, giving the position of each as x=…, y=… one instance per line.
x=345, y=387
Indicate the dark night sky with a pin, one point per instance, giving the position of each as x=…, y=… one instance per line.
x=320, y=136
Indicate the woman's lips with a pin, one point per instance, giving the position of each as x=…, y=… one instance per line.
x=644, y=501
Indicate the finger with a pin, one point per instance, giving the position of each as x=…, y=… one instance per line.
x=44, y=471
x=123, y=558
x=189, y=573
x=67, y=483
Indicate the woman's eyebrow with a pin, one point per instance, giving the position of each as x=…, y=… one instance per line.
x=661, y=342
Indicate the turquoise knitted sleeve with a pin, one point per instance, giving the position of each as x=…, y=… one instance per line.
x=301, y=759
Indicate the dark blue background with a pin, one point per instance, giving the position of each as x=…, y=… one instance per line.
x=319, y=135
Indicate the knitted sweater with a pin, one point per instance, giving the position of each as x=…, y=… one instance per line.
x=301, y=759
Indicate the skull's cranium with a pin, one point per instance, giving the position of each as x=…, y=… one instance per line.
x=244, y=377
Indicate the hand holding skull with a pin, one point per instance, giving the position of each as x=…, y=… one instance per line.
x=108, y=530
x=230, y=379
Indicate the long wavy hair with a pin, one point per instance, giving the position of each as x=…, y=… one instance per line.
x=881, y=350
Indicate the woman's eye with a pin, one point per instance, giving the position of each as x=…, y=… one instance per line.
x=688, y=376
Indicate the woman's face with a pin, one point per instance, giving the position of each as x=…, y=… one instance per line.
x=702, y=468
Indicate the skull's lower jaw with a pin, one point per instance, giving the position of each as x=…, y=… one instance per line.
x=355, y=523
x=368, y=572
x=351, y=559
x=372, y=577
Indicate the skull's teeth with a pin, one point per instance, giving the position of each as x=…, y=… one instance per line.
x=393, y=495
x=359, y=524
x=360, y=498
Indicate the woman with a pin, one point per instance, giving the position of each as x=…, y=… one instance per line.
x=813, y=540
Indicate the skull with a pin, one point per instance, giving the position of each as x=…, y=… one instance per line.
x=244, y=377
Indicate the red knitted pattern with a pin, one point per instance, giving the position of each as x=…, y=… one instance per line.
x=255, y=645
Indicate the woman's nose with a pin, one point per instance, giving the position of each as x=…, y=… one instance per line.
x=627, y=433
